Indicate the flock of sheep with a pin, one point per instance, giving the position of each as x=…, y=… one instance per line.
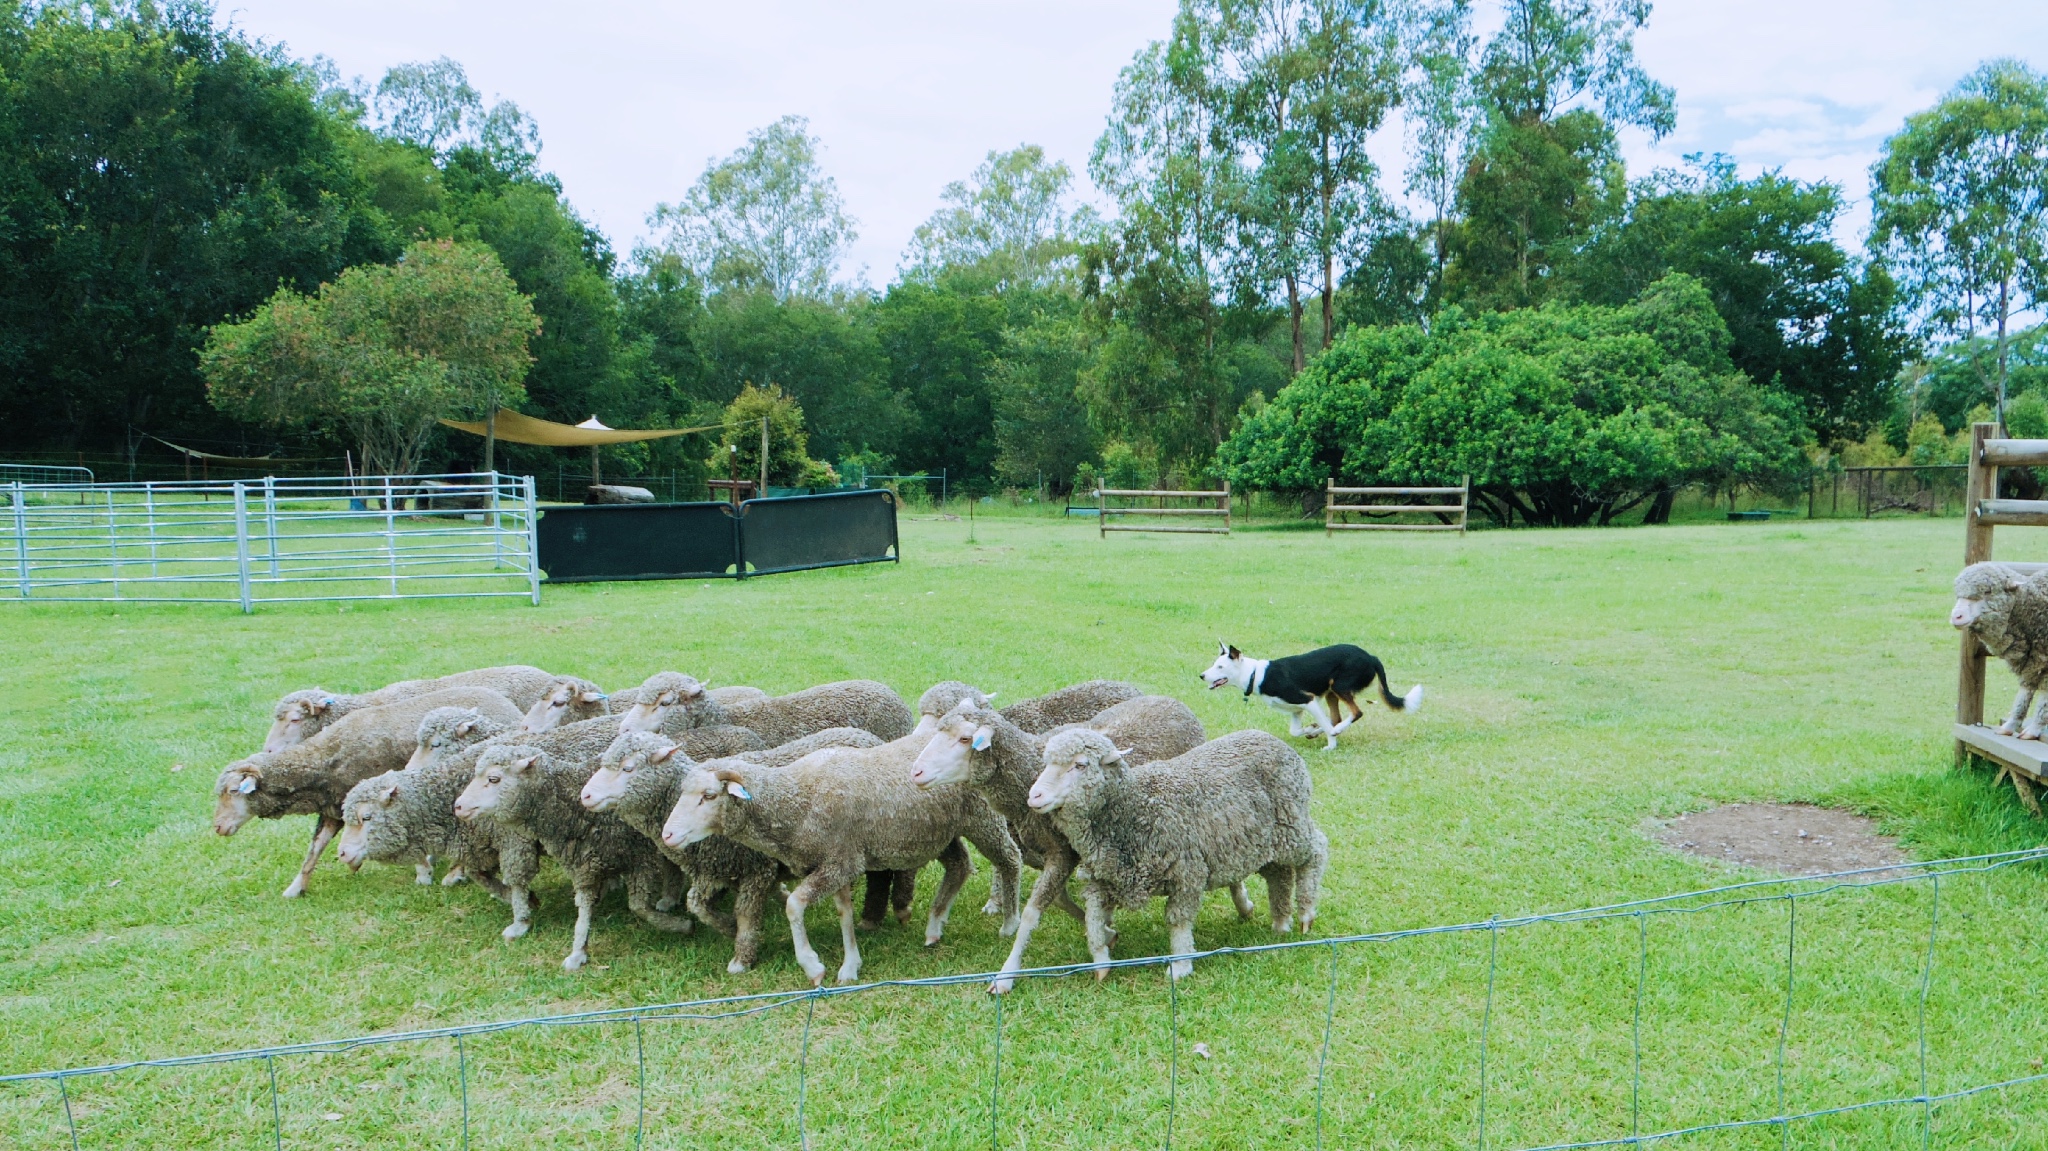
x=714, y=801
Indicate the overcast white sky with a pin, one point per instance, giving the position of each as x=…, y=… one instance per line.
x=634, y=96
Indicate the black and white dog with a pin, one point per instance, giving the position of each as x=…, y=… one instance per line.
x=1308, y=687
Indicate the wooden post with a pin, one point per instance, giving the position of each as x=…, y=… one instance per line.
x=1329, y=499
x=1976, y=549
x=491, y=439
x=1464, y=503
x=1101, y=515
x=1226, y=507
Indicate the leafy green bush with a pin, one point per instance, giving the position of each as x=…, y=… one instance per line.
x=1561, y=415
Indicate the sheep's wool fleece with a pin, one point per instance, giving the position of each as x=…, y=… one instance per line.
x=1214, y=815
x=1077, y=704
x=860, y=703
x=2013, y=623
x=421, y=822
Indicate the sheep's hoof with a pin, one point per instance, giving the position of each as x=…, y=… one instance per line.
x=1180, y=969
x=1283, y=924
x=454, y=877
x=932, y=936
x=2004, y=728
x=575, y=961
x=992, y=907
x=1101, y=973
x=735, y=967
x=667, y=904
x=1001, y=986
x=815, y=972
x=867, y=924
x=849, y=974
x=1008, y=928
x=423, y=878
x=515, y=931
x=1307, y=921
x=2030, y=733
x=902, y=915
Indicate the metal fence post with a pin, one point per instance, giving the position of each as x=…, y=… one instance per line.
x=532, y=540
x=497, y=527
x=391, y=535
x=114, y=542
x=242, y=544
x=21, y=536
x=149, y=511
x=270, y=520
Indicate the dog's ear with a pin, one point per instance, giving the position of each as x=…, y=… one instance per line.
x=1234, y=653
x=1222, y=648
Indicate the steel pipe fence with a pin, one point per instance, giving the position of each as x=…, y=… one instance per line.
x=274, y=540
x=1853, y=894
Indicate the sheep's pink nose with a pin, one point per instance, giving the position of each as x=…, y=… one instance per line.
x=670, y=838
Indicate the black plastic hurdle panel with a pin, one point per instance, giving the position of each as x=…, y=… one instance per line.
x=712, y=541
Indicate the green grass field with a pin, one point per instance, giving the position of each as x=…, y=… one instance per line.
x=1580, y=684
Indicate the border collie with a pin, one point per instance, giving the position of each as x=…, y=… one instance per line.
x=1309, y=686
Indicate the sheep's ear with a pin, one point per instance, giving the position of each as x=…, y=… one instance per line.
x=465, y=727
x=247, y=786
x=983, y=736
x=989, y=696
x=316, y=706
x=738, y=791
x=388, y=795
x=2013, y=582
x=523, y=764
x=593, y=697
x=694, y=691
x=1121, y=753
x=665, y=754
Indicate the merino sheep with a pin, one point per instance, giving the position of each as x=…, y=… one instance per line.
x=568, y=699
x=861, y=703
x=1179, y=827
x=639, y=779
x=300, y=715
x=314, y=776
x=979, y=747
x=1077, y=704
x=840, y=811
x=2007, y=610
x=534, y=793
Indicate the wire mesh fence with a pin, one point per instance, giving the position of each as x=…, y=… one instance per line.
x=273, y=540
x=1854, y=1009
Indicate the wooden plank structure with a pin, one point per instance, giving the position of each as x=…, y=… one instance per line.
x=1453, y=514
x=1222, y=498
x=2023, y=761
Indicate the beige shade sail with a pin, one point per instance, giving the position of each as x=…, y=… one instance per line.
x=519, y=429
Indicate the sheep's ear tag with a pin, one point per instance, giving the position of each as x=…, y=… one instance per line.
x=738, y=790
x=247, y=786
x=981, y=739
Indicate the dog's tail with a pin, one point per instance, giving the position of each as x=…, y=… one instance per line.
x=1408, y=702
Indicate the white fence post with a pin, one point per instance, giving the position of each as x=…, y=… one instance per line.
x=114, y=541
x=21, y=536
x=242, y=545
x=532, y=541
x=149, y=509
x=497, y=525
x=270, y=520
x=391, y=535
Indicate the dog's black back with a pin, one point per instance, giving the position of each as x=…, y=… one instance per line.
x=1342, y=668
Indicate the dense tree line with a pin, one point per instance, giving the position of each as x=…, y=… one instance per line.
x=164, y=176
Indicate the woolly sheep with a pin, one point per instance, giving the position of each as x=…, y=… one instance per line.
x=639, y=778
x=980, y=748
x=409, y=815
x=2007, y=610
x=313, y=777
x=1077, y=704
x=300, y=715
x=525, y=788
x=861, y=703
x=572, y=699
x=839, y=811
x=1181, y=826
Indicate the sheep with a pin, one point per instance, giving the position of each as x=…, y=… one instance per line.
x=2007, y=610
x=837, y=812
x=410, y=815
x=1077, y=704
x=534, y=793
x=639, y=778
x=568, y=699
x=301, y=714
x=861, y=703
x=979, y=747
x=313, y=777
x=1178, y=827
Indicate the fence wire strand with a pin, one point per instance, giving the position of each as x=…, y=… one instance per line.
x=1790, y=890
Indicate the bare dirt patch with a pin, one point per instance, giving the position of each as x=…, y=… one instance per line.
x=1789, y=838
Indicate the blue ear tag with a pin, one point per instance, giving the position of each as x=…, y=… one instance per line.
x=981, y=740
x=739, y=791
x=248, y=786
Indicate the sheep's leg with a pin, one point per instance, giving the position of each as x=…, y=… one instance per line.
x=1003, y=852
x=2019, y=711
x=749, y=903
x=958, y=866
x=1064, y=900
x=830, y=877
x=672, y=890
x=1052, y=882
x=1100, y=935
x=456, y=874
x=642, y=898
x=874, y=904
x=579, y=952
x=488, y=882
x=903, y=893
x=849, y=968
x=1308, y=886
x=1243, y=900
x=522, y=912
x=2040, y=720
x=1280, y=894
x=698, y=901
x=423, y=872
x=324, y=829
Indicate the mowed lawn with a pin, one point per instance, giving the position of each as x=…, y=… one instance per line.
x=1580, y=684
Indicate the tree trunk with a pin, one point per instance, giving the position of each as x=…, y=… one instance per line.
x=2004, y=308
x=1294, y=318
x=1329, y=299
x=1660, y=508
x=491, y=439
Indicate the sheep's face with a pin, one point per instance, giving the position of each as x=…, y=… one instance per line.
x=368, y=830
x=658, y=695
x=628, y=755
x=231, y=796
x=943, y=697
x=500, y=772
x=443, y=731
x=1076, y=762
x=708, y=797
x=1231, y=667
x=950, y=755
x=298, y=716
x=1978, y=587
x=567, y=697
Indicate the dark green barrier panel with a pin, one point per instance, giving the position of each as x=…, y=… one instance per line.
x=798, y=532
x=639, y=541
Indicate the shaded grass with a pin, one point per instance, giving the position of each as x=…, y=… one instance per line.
x=1580, y=682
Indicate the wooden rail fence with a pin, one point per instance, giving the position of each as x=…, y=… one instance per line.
x=1103, y=511
x=1454, y=513
x=2024, y=761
